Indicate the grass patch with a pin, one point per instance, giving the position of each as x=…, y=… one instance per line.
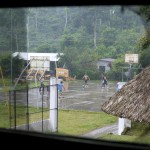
x=138, y=133
x=75, y=122
x=126, y=138
x=80, y=122
x=72, y=122
x=8, y=115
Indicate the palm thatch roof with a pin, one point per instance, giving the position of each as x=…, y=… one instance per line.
x=133, y=100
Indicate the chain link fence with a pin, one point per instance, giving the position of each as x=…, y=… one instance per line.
x=26, y=109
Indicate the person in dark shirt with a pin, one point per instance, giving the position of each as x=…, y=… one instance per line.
x=104, y=81
x=86, y=78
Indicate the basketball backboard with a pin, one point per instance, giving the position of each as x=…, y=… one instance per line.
x=131, y=58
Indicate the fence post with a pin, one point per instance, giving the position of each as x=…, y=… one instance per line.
x=53, y=120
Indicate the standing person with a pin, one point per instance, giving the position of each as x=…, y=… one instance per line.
x=85, y=78
x=61, y=88
x=41, y=89
x=104, y=81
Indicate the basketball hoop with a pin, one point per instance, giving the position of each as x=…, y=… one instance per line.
x=131, y=58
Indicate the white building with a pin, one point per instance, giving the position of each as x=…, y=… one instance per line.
x=105, y=64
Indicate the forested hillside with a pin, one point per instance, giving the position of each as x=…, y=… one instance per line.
x=104, y=29
x=83, y=34
x=13, y=30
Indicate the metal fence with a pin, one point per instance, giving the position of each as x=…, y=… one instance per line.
x=26, y=109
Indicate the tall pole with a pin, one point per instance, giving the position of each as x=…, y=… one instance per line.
x=11, y=67
x=27, y=26
x=122, y=74
x=130, y=71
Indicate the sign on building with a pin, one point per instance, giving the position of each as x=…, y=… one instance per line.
x=40, y=62
x=61, y=72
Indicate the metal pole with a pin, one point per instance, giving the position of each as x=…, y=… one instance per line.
x=10, y=108
x=27, y=109
x=122, y=74
x=15, y=119
x=11, y=67
x=42, y=104
x=130, y=71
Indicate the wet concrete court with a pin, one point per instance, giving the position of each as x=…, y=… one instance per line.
x=74, y=97
x=90, y=98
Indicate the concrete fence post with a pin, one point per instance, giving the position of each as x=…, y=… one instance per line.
x=53, y=105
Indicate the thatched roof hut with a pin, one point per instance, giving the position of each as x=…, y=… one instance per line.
x=133, y=100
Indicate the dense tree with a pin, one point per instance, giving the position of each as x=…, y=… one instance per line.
x=144, y=44
x=13, y=29
x=17, y=65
